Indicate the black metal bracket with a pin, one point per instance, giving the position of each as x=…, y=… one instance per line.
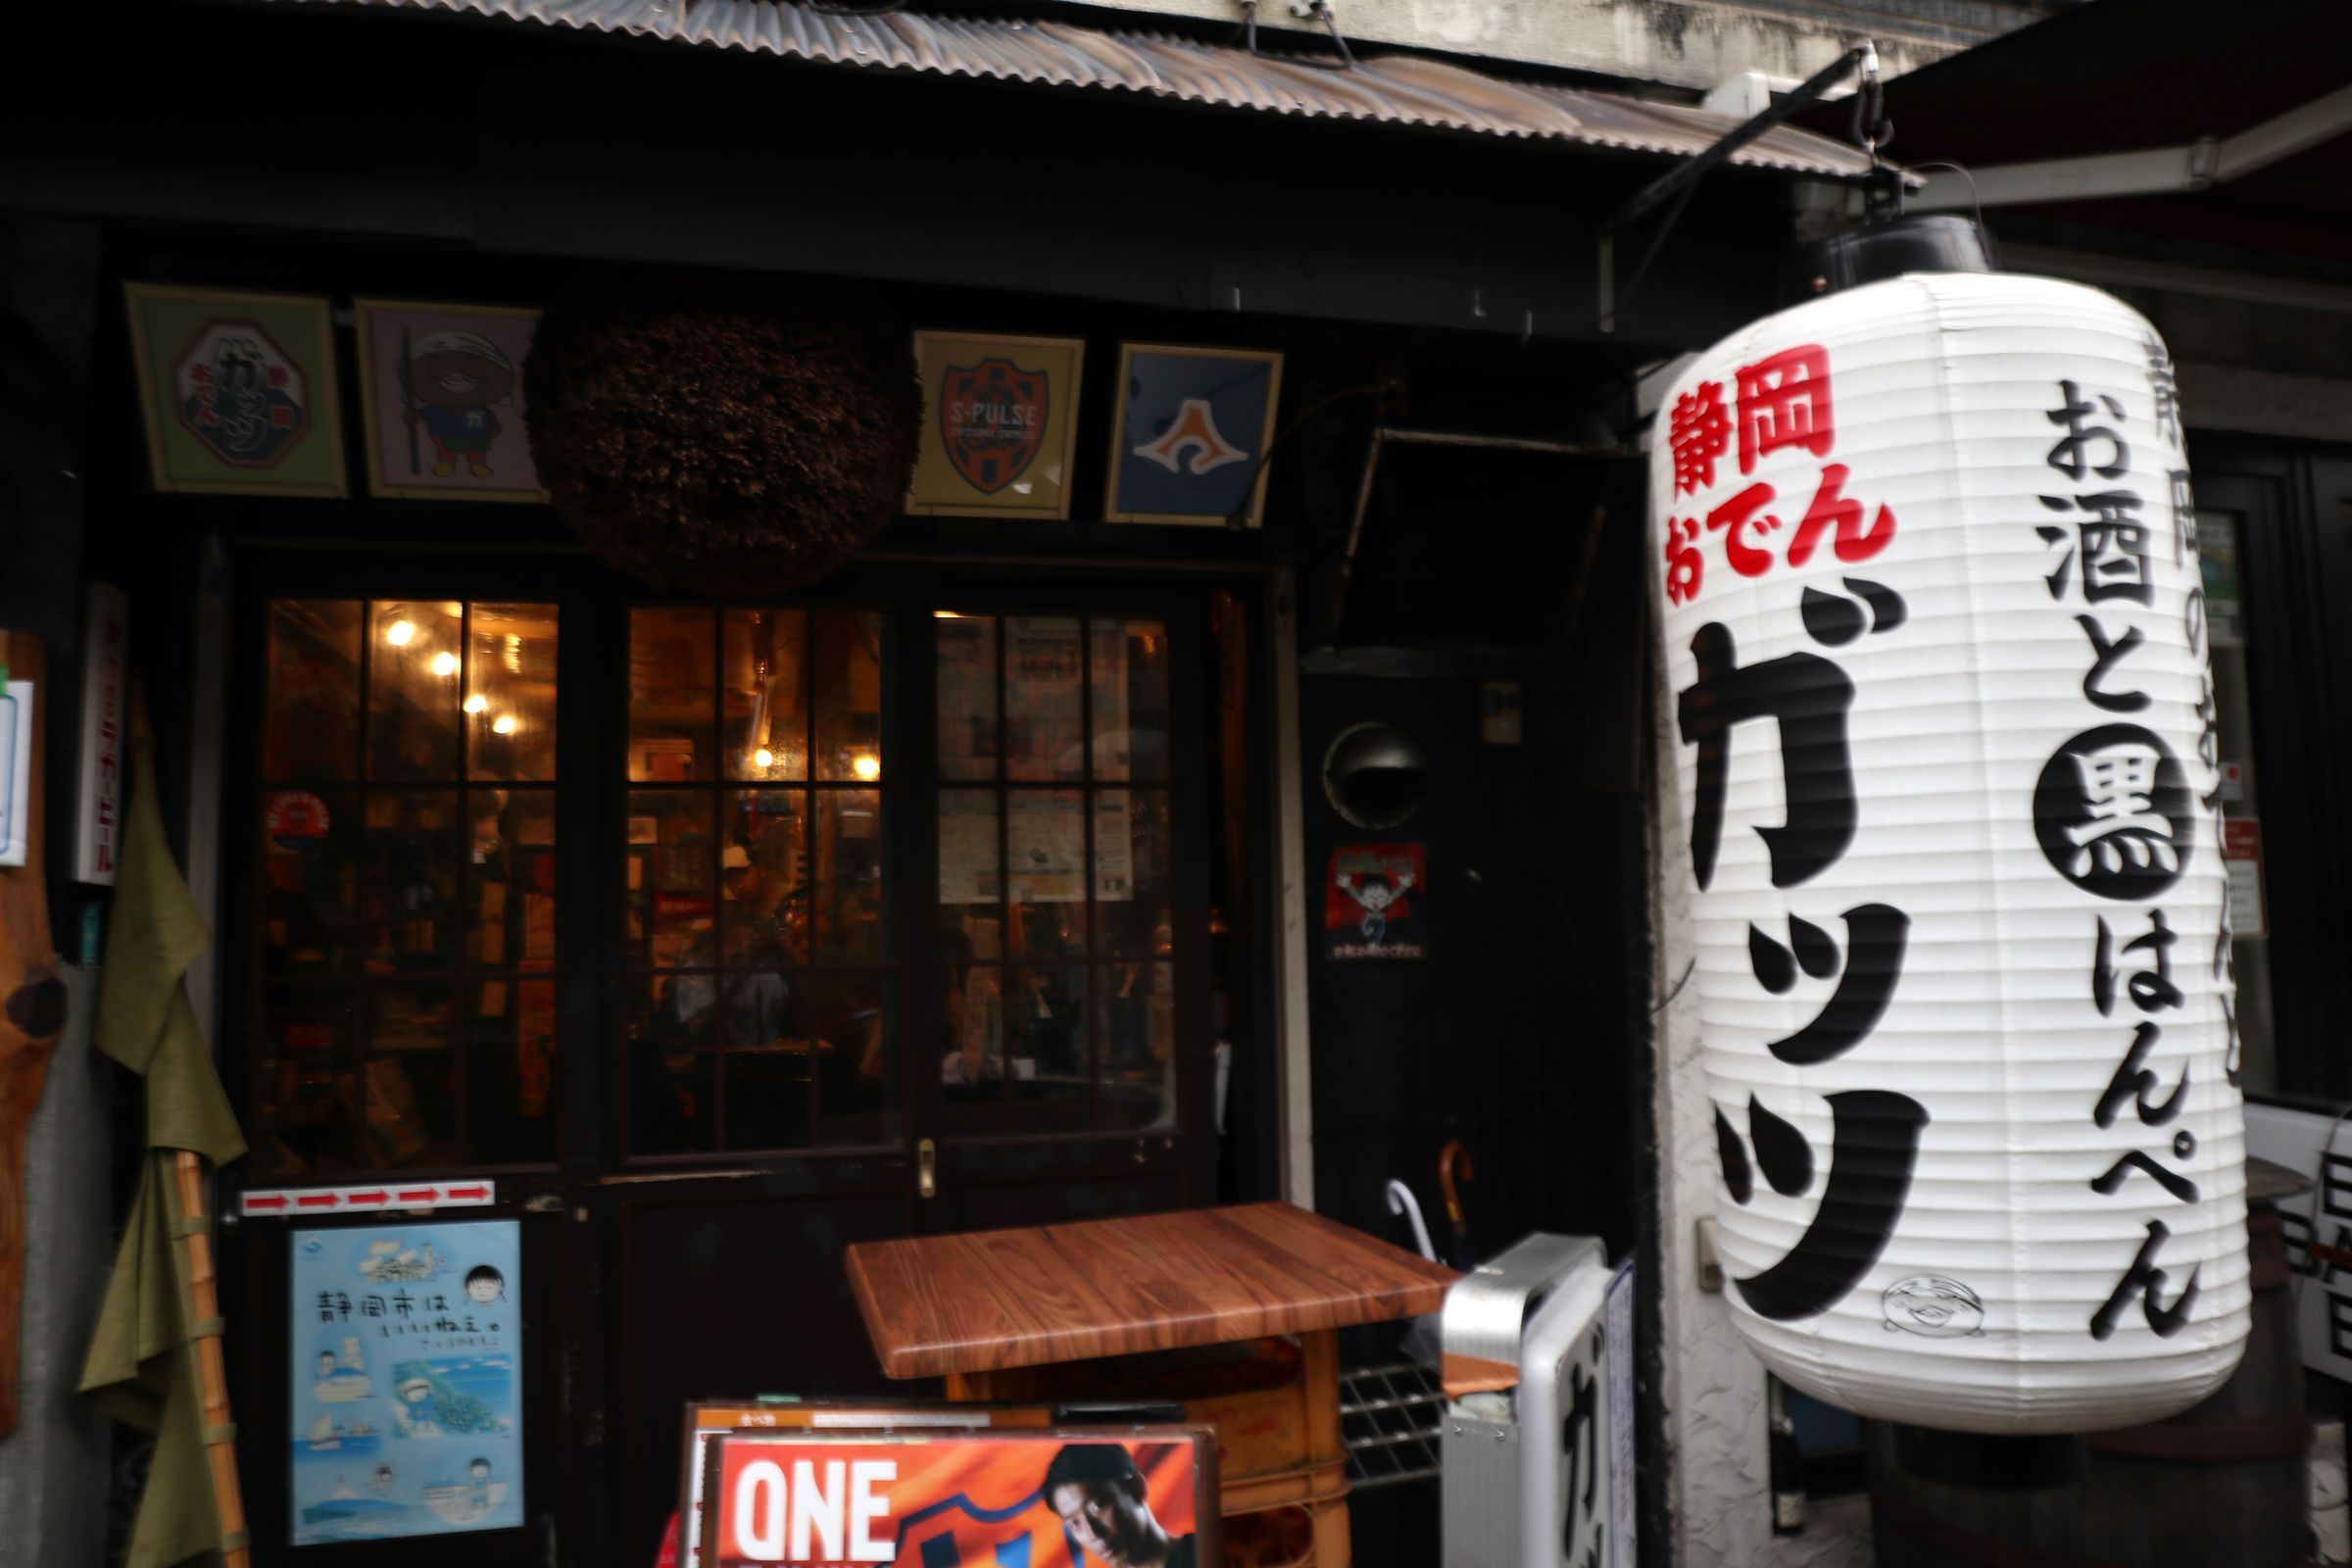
x=1677, y=183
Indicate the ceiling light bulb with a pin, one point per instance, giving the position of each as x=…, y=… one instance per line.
x=476, y=703
x=764, y=758
x=401, y=633
x=866, y=766
x=445, y=665
x=504, y=725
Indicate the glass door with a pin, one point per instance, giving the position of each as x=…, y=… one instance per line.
x=1064, y=1041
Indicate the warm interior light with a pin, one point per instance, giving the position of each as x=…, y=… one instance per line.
x=866, y=766
x=764, y=758
x=504, y=725
x=476, y=703
x=445, y=665
x=401, y=633
x=946, y=615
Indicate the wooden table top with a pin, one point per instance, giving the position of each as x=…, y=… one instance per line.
x=990, y=1299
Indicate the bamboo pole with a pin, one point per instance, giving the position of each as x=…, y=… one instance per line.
x=211, y=1373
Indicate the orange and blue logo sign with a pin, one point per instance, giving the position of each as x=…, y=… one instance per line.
x=993, y=421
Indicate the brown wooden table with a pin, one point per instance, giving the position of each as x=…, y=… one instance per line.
x=995, y=1312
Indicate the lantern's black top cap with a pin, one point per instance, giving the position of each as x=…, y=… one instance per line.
x=1931, y=242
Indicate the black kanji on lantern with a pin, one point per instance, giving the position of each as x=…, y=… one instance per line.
x=2146, y=1280
x=2112, y=813
x=1874, y=1148
x=1808, y=695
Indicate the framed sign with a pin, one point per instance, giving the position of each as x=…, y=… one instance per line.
x=999, y=419
x=1044, y=1498
x=1188, y=443
x=405, y=1345
x=238, y=391
x=441, y=392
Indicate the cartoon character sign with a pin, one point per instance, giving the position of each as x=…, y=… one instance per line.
x=1373, y=903
x=443, y=386
x=455, y=382
x=407, y=1411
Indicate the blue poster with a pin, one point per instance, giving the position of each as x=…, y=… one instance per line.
x=407, y=1350
x=1192, y=430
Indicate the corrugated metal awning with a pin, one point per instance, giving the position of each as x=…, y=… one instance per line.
x=1394, y=91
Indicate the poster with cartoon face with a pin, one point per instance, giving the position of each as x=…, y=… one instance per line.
x=406, y=1415
x=1375, y=903
x=442, y=388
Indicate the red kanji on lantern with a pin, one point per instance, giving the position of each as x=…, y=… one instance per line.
x=1738, y=513
x=1784, y=402
x=1699, y=432
x=1829, y=508
x=1685, y=566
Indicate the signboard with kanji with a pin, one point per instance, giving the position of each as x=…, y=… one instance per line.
x=238, y=391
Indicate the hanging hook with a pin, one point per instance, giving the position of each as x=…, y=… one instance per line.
x=1403, y=1202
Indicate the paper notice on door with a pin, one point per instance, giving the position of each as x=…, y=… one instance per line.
x=1046, y=837
x=967, y=848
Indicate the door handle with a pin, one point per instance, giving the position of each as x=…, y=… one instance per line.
x=926, y=1168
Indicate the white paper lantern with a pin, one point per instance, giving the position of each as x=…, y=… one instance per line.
x=1935, y=638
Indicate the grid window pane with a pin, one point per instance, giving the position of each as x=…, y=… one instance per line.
x=753, y=876
x=408, y=919
x=314, y=690
x=509, y=703
x=672, y=1078
x=849, y=696
x=1049, y=1046
x=1045, y=698
x=968, y=696
x=765, y=694
x=415, y=653
x=860, y=1094
x=674, y=699
x=1128, y=688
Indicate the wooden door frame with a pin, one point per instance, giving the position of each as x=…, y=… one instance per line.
x=254, y=1262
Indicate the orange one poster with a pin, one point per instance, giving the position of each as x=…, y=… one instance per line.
x=964, y=1500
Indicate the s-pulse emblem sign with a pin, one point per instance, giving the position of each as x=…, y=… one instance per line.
x=992, y=420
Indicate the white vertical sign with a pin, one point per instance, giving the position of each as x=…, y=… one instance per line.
x=16, y=826
x=105, y=704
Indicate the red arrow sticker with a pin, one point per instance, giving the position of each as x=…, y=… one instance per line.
x=366, y=1197
x=266, y=1202
x=423, y=1194
x=470, y=1192
x=316, y=1200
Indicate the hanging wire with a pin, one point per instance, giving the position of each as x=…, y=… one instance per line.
x=1974, y=200
x=1330, y=25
